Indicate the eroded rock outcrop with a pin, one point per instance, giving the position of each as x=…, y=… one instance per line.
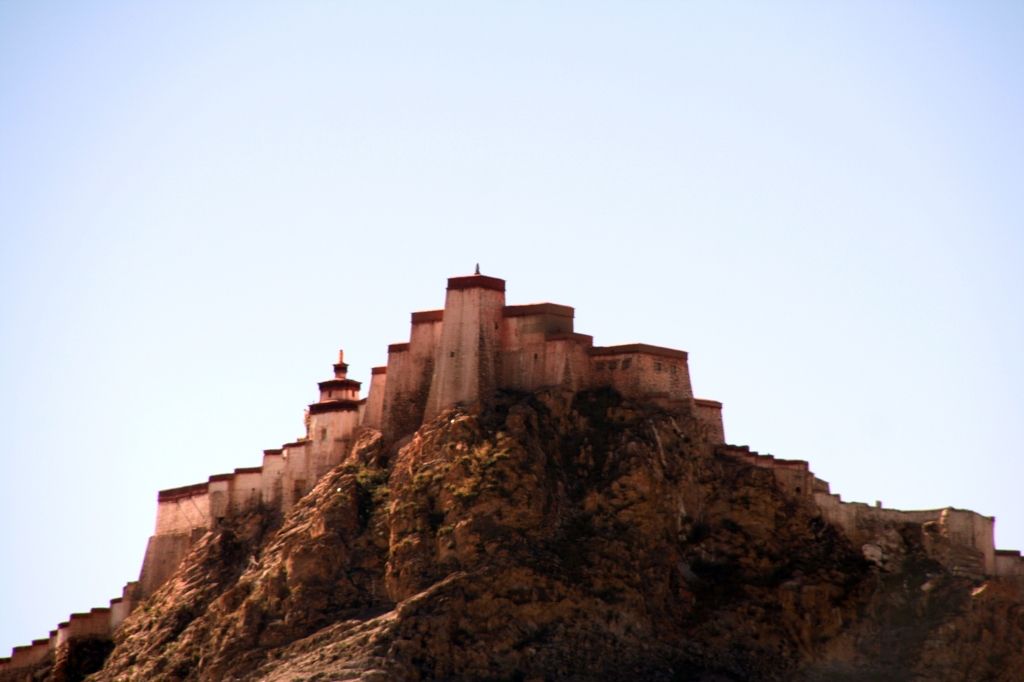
x=562, y=536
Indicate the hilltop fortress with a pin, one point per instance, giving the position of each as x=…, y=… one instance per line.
x=460, y=355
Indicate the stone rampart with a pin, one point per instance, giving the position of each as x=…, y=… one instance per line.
x=182, y=509
x=792, y=475
x=638, y=370
x=409, y=372
x=374, y=412
x=1009, y=562
x=29, y=654
x=273, y=473
x=709, y=413
x=466, y=363
x=99, y=622
x=332, y=424
x=961, y=539
x=462, y=354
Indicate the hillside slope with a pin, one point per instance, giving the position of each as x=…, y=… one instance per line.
x=561, y=537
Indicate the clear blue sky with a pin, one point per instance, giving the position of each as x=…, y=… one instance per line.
x=200, y=202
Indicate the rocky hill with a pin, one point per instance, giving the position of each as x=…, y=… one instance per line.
x=558, y=536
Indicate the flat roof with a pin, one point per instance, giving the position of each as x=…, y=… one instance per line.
x=642, y=348
x=183, y=491
x=427, y=316
x=476, y=282
x=538, y=309
x=585, y=339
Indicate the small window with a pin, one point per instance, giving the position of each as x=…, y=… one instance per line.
x=534, y=356
x=657, y=367
x=323, y=433
x=626, y=363
x=599, y=365
x=613, y=364
x=330, y=394
x=451, y=354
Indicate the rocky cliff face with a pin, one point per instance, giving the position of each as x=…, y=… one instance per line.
x=562, y=537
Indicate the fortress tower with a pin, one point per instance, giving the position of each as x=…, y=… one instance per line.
x=467, y=358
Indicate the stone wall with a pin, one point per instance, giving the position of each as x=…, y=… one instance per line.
x=182, y=509
x=464, y=353
x=526, y=358
x=961, y=539
x=466, y=362
x=98, y=623
x=1008, y=562
x=409, y=373
x=792, y=475
x=709, y=413
x=638, y=370
x=374, y=411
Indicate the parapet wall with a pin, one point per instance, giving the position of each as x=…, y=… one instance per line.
x=961, y=539
x=792, y=475
x=99, y=622
x=709, y=413
x=1009, y=562
x=181, y=509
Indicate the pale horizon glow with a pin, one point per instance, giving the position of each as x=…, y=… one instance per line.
x=200, y=203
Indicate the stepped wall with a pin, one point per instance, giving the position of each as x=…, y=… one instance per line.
x=638, y=370
x=464, y=353
x=373, y=414
x=709, y=413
